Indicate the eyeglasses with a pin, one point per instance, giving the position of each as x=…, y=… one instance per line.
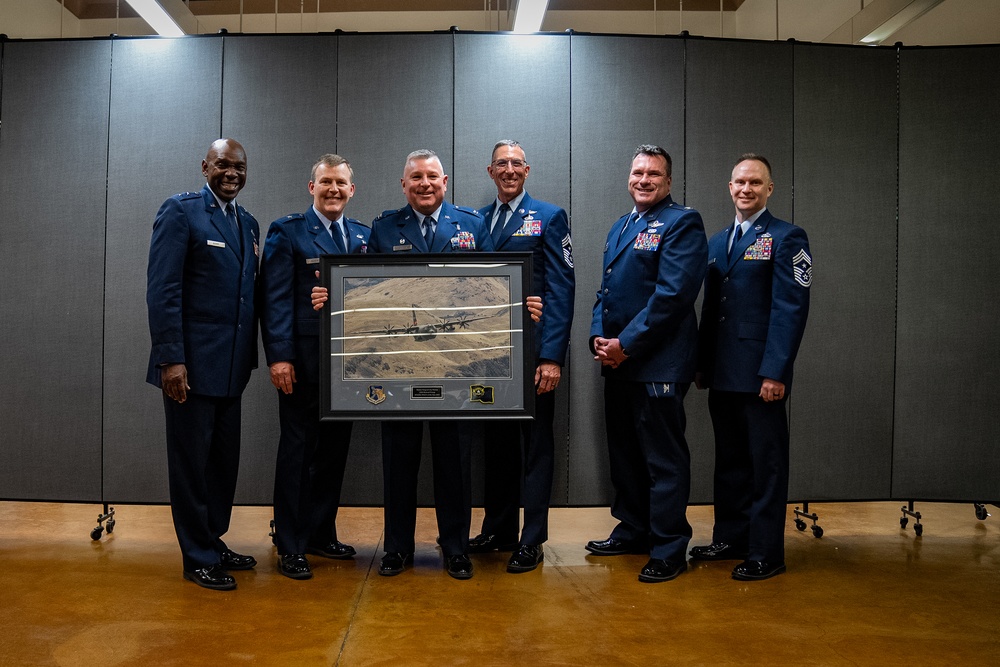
x=502, y=164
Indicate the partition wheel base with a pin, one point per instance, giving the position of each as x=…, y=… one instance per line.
x=981, y=512
x=109, y=516
x=907, y=510
x=803, y=513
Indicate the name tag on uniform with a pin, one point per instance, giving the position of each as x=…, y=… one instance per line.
x=216, y=244
x=397, y=248
x=312, y=260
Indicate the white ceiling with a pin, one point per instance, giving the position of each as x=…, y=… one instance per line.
x=837, y=21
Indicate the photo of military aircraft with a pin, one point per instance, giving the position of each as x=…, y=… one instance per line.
x=425, y=332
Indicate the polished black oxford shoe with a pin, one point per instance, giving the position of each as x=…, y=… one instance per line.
x=658, y=570
x=615, y=547
x=483, y=543
x=335, y=549
x=213, y=577
x=526, y=558
x=294, y=566
x=394, y=563
x=230, y=560
x=755, y=570
x=459, y=566
x=717, y=551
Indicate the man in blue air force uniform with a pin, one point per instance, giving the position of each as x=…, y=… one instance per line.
x=753, y=316
x=644, y=333
x=312, y=455
x=521, y=223
x=200, y=298
x=427, y=223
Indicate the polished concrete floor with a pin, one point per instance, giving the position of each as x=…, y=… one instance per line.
x=866, y=593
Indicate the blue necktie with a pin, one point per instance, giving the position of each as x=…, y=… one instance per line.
x=429, y=232
x=501, y=221
x=737, y=235
x=234, y=225
x=338, y=238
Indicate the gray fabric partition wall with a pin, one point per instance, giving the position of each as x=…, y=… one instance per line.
x=626, y=91
x=53, y=164
x=845, y=160
x=120, y=124
x=491, y=104
x=738, y=100
x=166, y=99
x=947, y=373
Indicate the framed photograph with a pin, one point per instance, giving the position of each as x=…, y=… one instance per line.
x=427, y=336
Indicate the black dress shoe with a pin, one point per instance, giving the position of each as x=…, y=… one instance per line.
x=657, y=570
x=334, y=549
x=755, y=570
x=230, y=560
x=526, y=558
x=483, y=543
x=717, y=551
x=294, y=566
x=459, y=566
x=393, y=563
x=615, y=547
x=213, y=577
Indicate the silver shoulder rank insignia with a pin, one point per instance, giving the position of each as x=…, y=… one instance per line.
x=802, y=266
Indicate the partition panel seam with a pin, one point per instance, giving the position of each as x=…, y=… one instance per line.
x=895, y=290
x=104, y=301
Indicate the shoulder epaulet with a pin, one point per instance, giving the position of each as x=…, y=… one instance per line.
x=467, y=209
x=389, y=212
x=293, y=216
x=188, y=195
x=355, y=222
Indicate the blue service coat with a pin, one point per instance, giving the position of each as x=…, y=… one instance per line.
x=289, y=326
x=651, y=279
x=543, y=230
x=755, y=306
x=200, y=294
x=458, y=230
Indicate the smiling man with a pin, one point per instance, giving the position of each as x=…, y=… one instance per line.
x=753, y=317
x=312, y=454
x=522, y=223
x=200, y=293
x=644, y=332
x=427, y=223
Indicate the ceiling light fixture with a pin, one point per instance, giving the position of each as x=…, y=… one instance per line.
x=157, y=17
x=906, y=11
x=528, y=15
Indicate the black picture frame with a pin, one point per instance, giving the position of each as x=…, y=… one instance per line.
x=426, y=336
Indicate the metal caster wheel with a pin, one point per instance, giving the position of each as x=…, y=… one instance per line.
x=800, y=524
x=96, y=533
x=902, y=522
x=918, y=529
x=111, y=526
x=817, y=531
x=981, y=512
